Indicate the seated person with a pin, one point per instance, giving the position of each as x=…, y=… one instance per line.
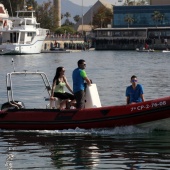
x=59, y=82
x=134, y=92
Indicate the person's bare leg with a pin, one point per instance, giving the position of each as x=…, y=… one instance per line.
x=63, y=104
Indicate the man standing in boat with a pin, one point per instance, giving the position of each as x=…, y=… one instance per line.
x=134, y=92
x=79, y=76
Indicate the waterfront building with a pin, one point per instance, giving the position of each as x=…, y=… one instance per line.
x=144, y=27
x=85, y=23
x=143, y=16
x=159, y=2
x=131, y=38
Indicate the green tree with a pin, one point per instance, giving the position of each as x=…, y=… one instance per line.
x=13, y=5
x=76, y=18
x=143, y=2
x=136, y=2
x=65, y=29
x=157, y=17
x=67, y=15
x=62, y=16
x=32, y=3
x=129, y=19
x=45, y=15
x=102, y=18
x=67, y=21
x=129, y=3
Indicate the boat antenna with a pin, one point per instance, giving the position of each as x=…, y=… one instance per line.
x=11, y=7
x=13, y=64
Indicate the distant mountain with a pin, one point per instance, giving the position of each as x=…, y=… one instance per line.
x=68, y=6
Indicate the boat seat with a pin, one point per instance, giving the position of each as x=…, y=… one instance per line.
x=55, y=104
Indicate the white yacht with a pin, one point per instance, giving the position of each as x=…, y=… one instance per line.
x=3, y=14
x=21, y=34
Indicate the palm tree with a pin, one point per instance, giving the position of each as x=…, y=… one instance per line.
x=136, y=2
x=67, y=21
x=128, y=2
x=145, y=2
x=102, y=17
x=67, y=15
x=62, y=16
x=157, y=17
x=129, y=19
x=76, y=18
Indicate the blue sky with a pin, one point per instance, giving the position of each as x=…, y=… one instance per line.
x=92, y=2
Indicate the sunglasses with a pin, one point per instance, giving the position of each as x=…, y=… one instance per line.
x=133, y=80
x=83, y=64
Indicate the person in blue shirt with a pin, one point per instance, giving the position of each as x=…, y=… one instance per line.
x=134, y=92
x=79, y=76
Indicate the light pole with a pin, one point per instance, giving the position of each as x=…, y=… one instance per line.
x=91, y=17
x=82, y=18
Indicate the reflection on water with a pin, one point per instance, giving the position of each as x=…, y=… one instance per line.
x=125, y=148
x=86, y=150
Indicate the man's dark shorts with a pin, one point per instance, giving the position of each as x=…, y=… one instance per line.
x=80, y=99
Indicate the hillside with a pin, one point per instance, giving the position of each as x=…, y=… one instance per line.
x=68, y=6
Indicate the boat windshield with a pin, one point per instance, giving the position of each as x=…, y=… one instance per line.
x=26, y=14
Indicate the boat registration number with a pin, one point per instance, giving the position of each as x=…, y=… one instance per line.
x=148, y=106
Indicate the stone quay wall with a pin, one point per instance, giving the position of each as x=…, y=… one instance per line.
x=67, y=43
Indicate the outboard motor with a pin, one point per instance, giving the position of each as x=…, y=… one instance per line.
x=13, y=105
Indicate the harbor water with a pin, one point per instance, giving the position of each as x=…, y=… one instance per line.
x=124, y=148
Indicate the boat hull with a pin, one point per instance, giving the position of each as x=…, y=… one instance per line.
x=166, y=51
x=146, y=114
x=145, y=50
x=14, y=49
x=22, y=34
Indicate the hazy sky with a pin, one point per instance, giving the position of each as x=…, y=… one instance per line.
x=92, y=2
